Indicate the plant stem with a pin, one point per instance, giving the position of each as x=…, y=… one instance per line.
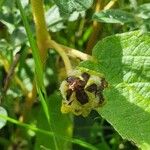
x=6, y=65
x=11, y=72
x=42, y=34
x=43, y=37
x=45, y=132
x=74, y=53
x=62, y=53
x=96, y=28
x=110, y=4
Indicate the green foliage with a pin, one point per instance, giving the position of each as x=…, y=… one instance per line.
x=69, y=6
x=38, y=72
x=46, y=133
x=114, y=16
x=54, y=20
x=2, y=121
x=139, y=18
x=61, y=124
x=143, y=11
x=36, y=55
x=124, y=61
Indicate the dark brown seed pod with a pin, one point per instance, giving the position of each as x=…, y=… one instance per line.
x=92, y=88
x=85, y=76
x=75, y=83
x=71, y=79
x=69, y=93
x=82, y=92
x=82, y=97
x=101, y=99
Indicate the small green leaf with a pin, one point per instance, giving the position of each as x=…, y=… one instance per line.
x=143, y=11
x=114, y=16
x=53, y=19
x=66, y=7
x=19, y=36
x=2, y=121
x=124, y=59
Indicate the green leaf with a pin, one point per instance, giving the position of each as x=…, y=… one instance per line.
x=143, y=11
x=53, y=19
x=56, y=22
x=45, y=132
x=2, y=121
x=114, y=16
x=124, y=59
x=19, y=36
x=66, y=7
x=62, y=124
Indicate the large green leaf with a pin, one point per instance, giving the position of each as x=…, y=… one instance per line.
x=124, y=59
x=66, y=7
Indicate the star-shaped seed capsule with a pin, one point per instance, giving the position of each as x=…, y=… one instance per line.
x=82, y=92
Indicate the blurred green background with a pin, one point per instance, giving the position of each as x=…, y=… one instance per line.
x=75, y=30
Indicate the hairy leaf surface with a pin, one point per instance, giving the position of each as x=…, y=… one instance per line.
x=124, y=59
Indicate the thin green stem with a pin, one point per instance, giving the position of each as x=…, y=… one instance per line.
x=36, y=54
x=38, y=70
x=62, y=53
x=42, y=34
x=51, y=134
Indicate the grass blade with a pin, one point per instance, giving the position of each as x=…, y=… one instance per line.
x=33, y=128
x=38, y=68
